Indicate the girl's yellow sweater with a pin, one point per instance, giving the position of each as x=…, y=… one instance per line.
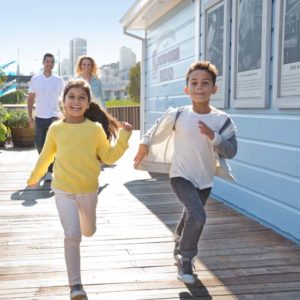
x=77, y=149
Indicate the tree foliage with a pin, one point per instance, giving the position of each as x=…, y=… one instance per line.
x=134, y=86
x=2, y=76
x=15, y=97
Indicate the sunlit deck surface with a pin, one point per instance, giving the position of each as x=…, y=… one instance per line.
x=130, y=256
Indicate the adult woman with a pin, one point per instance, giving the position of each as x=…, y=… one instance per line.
x=86, y=69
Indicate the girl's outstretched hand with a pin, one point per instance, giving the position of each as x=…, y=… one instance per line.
x=127, y=126
x=141, y=154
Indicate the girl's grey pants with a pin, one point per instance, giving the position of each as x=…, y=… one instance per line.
x=193, y=217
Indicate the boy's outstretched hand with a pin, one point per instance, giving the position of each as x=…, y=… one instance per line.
x=206, y=130
x=126, y=126
x=141, y=154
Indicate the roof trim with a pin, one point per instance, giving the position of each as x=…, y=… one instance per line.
x=145, y=12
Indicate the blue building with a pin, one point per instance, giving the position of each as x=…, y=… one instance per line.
x=255, y=44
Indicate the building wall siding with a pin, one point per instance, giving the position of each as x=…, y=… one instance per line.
x=169, y=50
x=267, y=165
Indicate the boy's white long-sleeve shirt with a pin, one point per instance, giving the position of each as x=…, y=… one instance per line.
x=193, y=155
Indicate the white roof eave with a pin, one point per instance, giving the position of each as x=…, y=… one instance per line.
x=145, y=12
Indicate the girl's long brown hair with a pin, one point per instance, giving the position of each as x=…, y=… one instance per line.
x=95, y=113
x=109, y=123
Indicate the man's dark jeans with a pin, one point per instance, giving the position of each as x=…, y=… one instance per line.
x=41, y=128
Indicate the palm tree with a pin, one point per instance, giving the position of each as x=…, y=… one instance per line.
x=15, y=96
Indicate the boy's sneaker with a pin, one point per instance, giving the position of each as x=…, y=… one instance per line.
x=48, y=176
x=78, y=293
x=185, y=270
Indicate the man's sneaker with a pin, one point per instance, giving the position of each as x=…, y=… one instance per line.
x=78, y=293
x=185, y=270
x=48, y=176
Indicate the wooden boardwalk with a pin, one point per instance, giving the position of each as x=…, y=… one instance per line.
x=130, y=256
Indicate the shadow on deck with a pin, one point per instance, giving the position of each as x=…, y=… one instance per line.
x=246, y=258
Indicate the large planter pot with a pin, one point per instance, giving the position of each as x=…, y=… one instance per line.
x=22, y=137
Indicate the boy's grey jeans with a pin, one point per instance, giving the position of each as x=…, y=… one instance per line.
x=193, y=217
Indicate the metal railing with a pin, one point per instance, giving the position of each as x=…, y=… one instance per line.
x=129, y=114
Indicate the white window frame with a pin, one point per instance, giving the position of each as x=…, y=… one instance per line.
x=208, y=7
x=281, y=101
x=262, y=100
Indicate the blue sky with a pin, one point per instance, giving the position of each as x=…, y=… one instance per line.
x=36, y=27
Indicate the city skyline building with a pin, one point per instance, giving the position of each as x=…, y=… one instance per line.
x=115, y=76
x=78, y=47
x=65, y=67
x=127, y=60
x=113, y=86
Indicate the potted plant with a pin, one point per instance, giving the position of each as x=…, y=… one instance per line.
x=22, y=135
x=3, y=128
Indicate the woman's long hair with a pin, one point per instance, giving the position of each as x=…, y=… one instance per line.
x=94, y=70
x=109, y=123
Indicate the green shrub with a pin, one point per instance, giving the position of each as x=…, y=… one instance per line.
x=3, y=118
x=3, y=132
x=17, y=118
x=3, y=114
x=122, y=102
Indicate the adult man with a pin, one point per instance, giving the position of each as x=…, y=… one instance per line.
x=45, y=89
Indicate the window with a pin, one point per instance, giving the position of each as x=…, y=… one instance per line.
x=287, y=54
x=217, y=22
x=251, y=53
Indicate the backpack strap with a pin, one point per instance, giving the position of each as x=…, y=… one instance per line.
x=225, y=125
x=178, y=112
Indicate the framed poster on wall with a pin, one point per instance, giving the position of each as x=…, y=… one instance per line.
x=287, y=54
x=251, y=41
x=216, y=43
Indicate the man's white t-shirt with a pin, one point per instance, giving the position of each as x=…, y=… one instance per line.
x=47, y=92
x=194, y=157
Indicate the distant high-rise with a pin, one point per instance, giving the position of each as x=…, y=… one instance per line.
x=78, y=47
x=127, y=60
x=65, y=67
